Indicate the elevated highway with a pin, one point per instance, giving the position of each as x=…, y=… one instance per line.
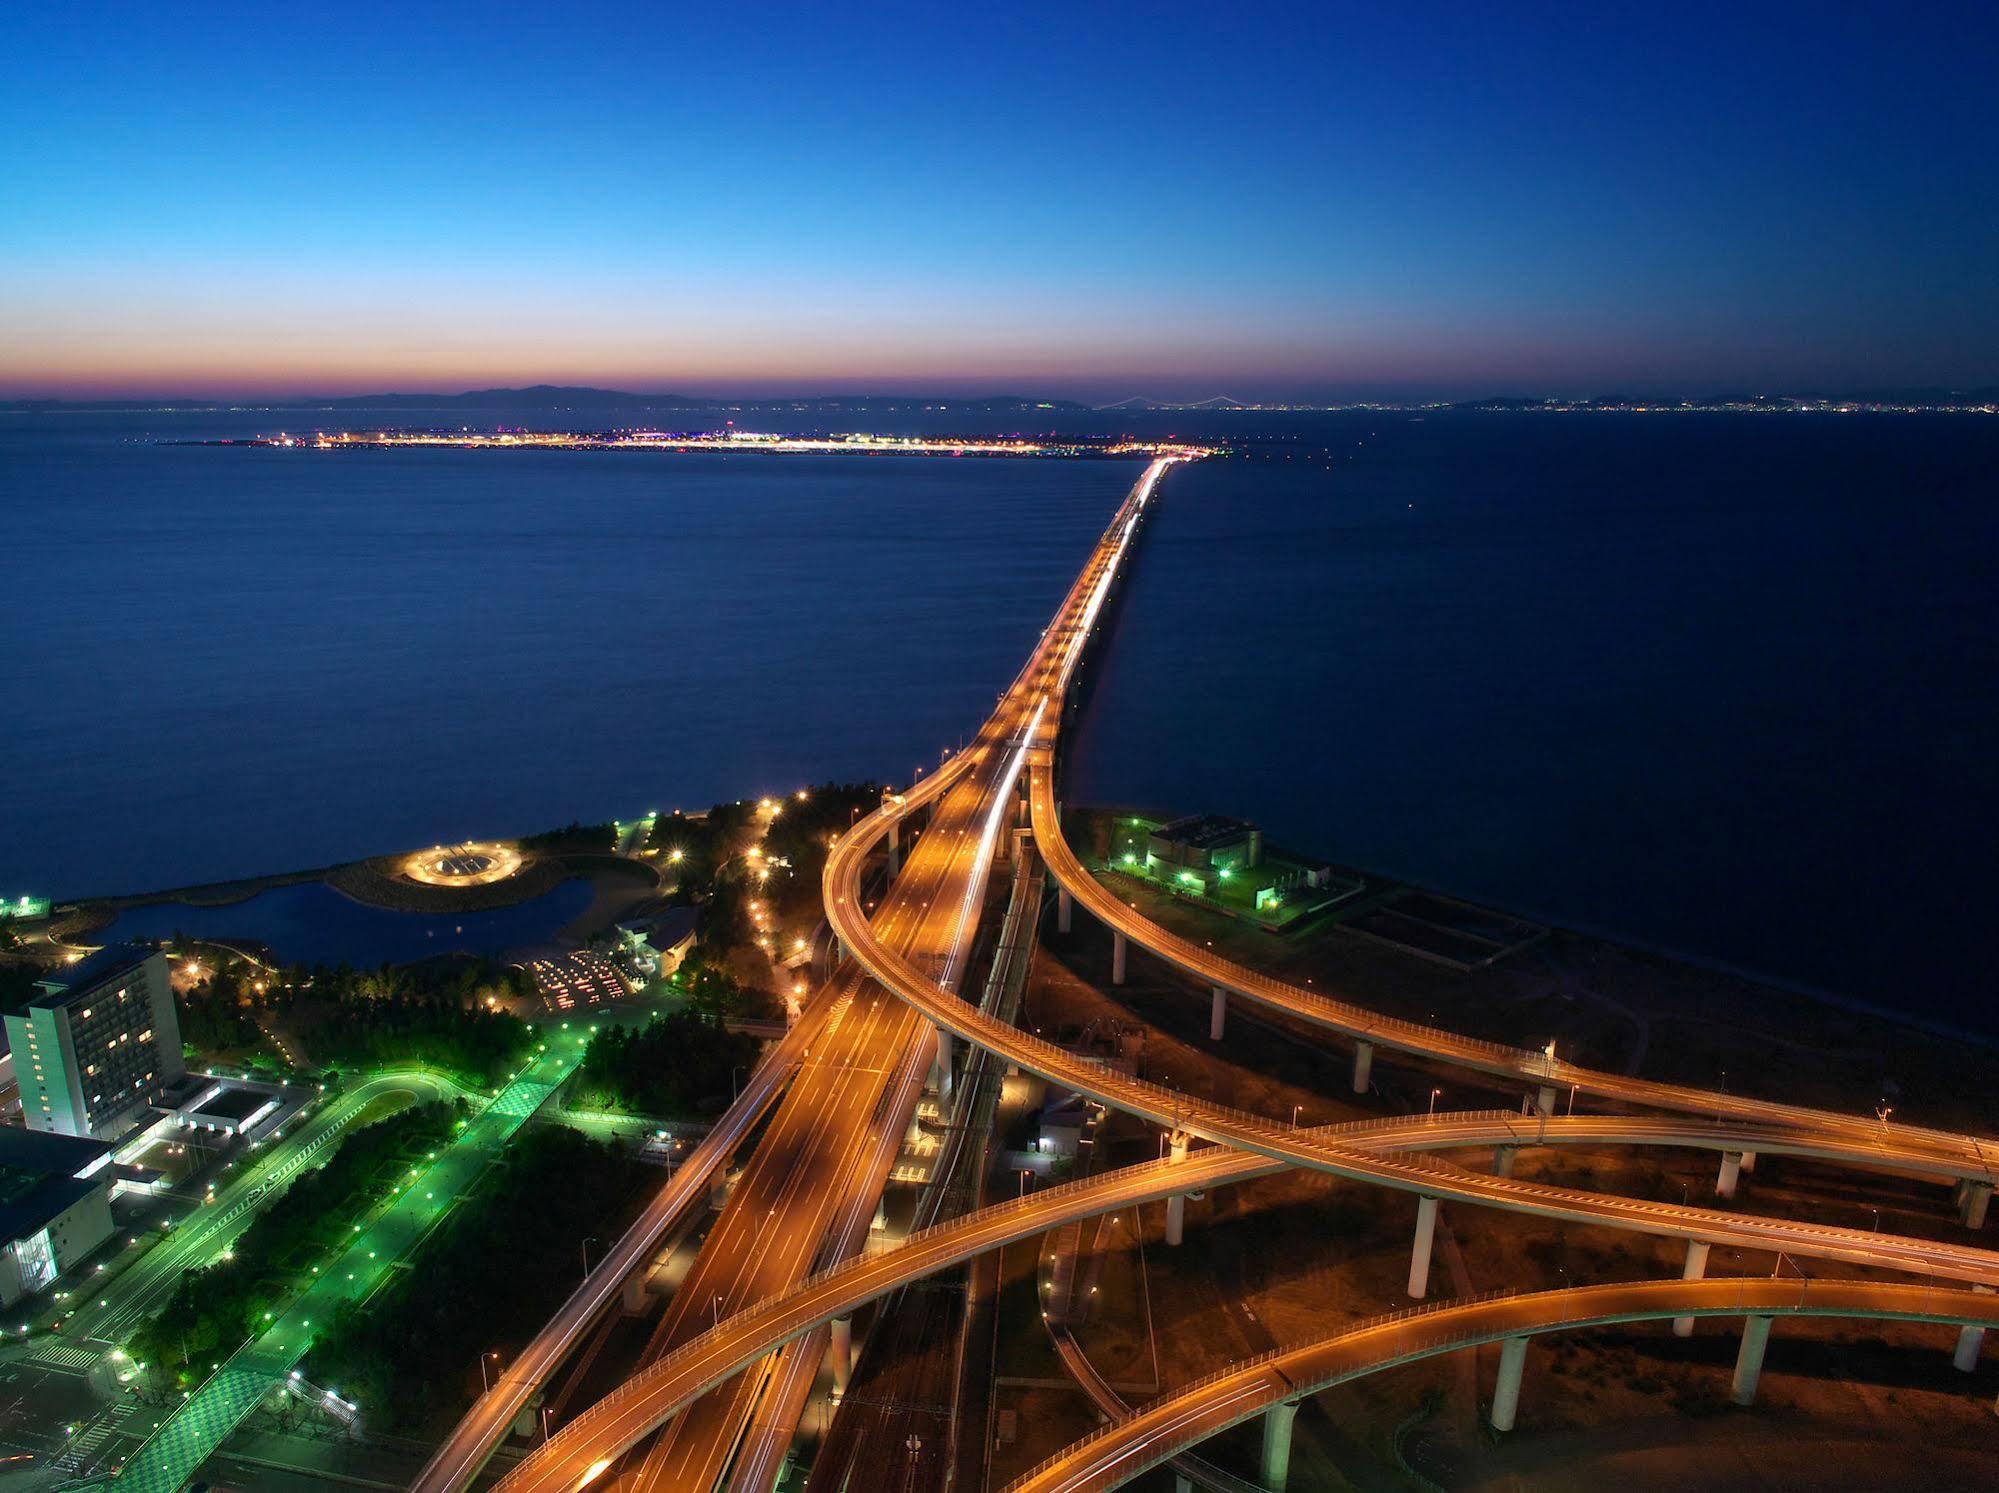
x=1168, y=1426
x=486, y=1424
x=1186, y=1116
x=1933, y=1152
x=629, y=1413
x=974, y=799
x=809, y=1191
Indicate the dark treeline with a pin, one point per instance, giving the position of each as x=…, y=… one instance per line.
x=479, y=1045
x=436, y=1013
x=676, y=1064
x=572, y=836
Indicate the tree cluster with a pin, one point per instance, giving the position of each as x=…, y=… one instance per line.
x=573, y=837
x=673, y=1066
x=477, y=1044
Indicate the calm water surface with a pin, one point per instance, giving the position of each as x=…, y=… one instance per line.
x=1719, y=684
x=310, y=923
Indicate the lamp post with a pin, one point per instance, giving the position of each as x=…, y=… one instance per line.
x=593, y=1239
x=1433, y=1101
x=485, y=1383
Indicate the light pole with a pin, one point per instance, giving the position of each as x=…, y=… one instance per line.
x=593, y=1239
x=715, y=1310
x=1433, y=1102
x=1294, y=1115
x=735, y=1080
x=485, y=1383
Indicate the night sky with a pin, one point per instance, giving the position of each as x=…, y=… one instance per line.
x=1317, y=201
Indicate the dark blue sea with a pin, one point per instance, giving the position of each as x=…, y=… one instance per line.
x=1719, y=684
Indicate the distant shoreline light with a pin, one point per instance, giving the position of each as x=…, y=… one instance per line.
x=718, y=440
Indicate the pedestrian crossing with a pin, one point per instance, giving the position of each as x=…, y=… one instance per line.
x=83, y=1449
x=63, y=1356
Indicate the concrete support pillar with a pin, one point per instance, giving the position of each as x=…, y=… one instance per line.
x=1419, y=1256
x=718, y=1187
x=1218, y=1014
x=1544, y=1101
x=1502, y=1161
x=1182, y=1483
x=1748, y=1162
x=1696, y=1268
x=1970, y=1342
x=1117, y=958
x=894, y=849
x=1506, y=1392
x=1976, y=1201
x=1064, y=906
x=1277, y=1421
x=1176, y=1206
x=1731, y=1169
x=635, y=1299
x=1363, y=1065
x=940, y=1067
x=1749, y=1360
x=843, y=1353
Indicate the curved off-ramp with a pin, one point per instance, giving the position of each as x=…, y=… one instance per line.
x=1167, y=1426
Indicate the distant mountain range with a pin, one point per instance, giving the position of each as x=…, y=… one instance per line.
x=562, y=397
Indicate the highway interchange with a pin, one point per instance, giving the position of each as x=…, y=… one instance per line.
x=781, y=1263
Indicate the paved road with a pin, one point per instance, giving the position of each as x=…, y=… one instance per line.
x=1167, y=1426
x=201, y=1236
x=649, y=1397
x=486, y=1424
x=813, y=1183
x=1906, y=1147
x=811, y=1189
x=1024, y=727
x=187, y=1438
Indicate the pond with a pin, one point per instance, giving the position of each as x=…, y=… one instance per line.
x=310, y=923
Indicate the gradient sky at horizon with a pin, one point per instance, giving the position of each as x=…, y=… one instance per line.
x=1310, y=201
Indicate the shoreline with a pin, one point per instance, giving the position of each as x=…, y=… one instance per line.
x=1378, y=882
x=243, y=889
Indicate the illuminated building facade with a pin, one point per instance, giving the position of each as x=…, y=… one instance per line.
x=55, y=1207
x=97, y=1043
